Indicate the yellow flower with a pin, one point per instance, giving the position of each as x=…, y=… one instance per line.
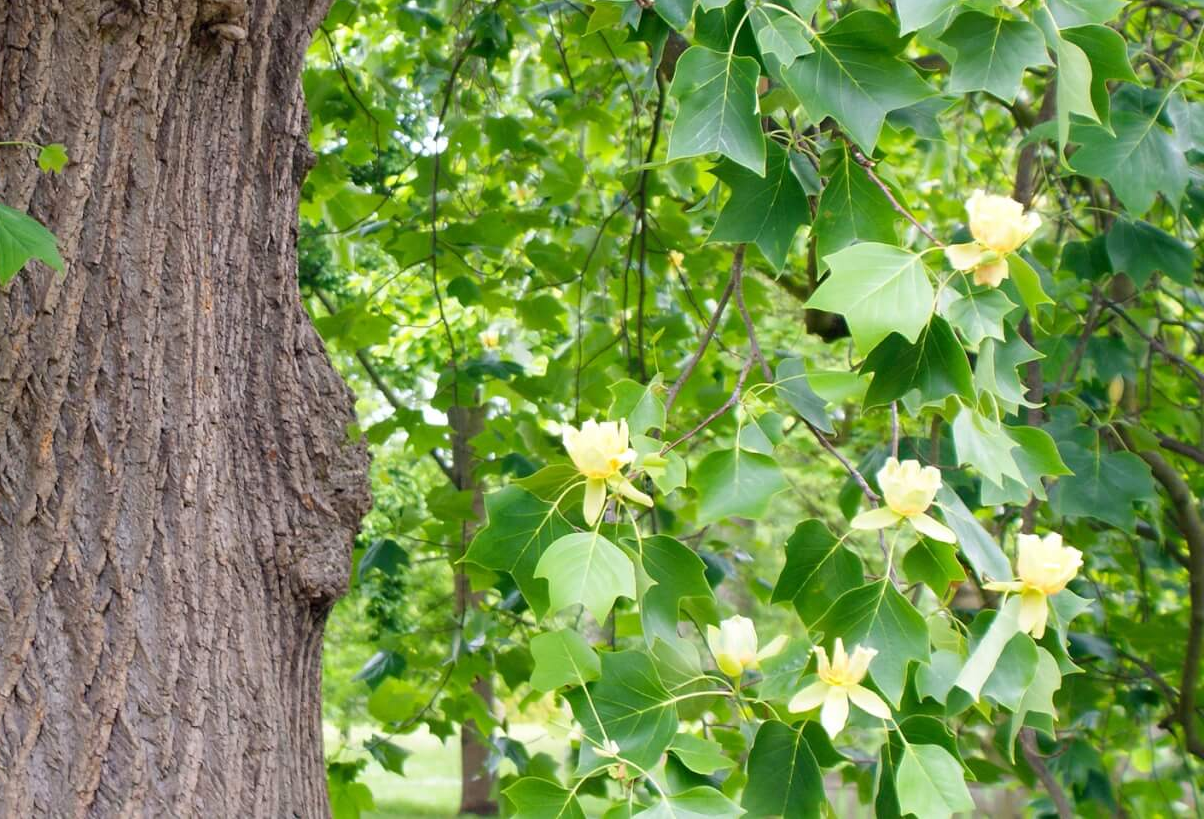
x=734, y=645
x=1044, y=567
x=600, y=451
x=490, y=339
x=908, y=491
x=839, y=682
x=999, y=226
x=676, y=259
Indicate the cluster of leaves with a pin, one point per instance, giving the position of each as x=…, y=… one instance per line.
x=723, y=223
x=22, y=237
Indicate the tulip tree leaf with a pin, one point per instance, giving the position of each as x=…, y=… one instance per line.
x=1108, y=54
x=536, y=798
x=935, y=365
x=23, y=238
x=791, y=385
x=702, y=756
x=878, y=616
x=519, y=528
x=930, y=783
x=819, y=568
x=783, y=777
x=587, y=569
x=562, y=658
x=993, y=53
x=699, y=802
x=717, y=112
x=975, y=542
x=766, y=210
x=879, y=289
x=680, y=582
x=916, y=14
x=985, y=655
x=639, y=404
x=934, y=564
x=851, y=207
x=779, y=34
x=985, y=445
x=1069, y=13
x=1139, y=160
x=979, y=315
x=1105, y=485
x=735, y=483
x=854, y=76
x=631, y=703
x=1138, y=249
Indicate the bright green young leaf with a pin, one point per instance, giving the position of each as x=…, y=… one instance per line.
x=1028, y=284
x=1139, y=249
x=993, y=53
x=878, y=616
x=1071, y=13
x=978, y=315
x=735, y=483
x=698, y=802
x=536, y=798
x=52, y=158
x=916, y=14
x=639, y=404
x=389, y=755
x=718, y=108
x=766, y=210
x=783, y=776
x=23, y=238
x=584, y=568
x=780, y=35
x=562, y=658
x=935, y=365
x=1013, y=674
x=985, y=445
x=880, y=290
x=854, y=76
x=819, y=568
x=791, y=385
x=930, y=783
x=985, y=655
x=702, y=756
x=997, y=369
x=1109, y=58
x=1073, y=89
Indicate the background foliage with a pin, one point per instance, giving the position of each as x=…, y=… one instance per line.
x=722, y=221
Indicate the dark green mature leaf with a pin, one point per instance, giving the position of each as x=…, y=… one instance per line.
x=878, y=616
x=790, y=384
x=584, y=568
x=631, y=703
x=562, y=658
x=735, y=483
x=765, y=210
x=676, y=13
x=23, y=238
x=718, y=108
x=996, y=369
x=782, y=673
x=935, y=365
x=384, y=554
x=930, y=783
x=854, y=76
x=1140, y=161
x=819, y=568
x=380, y=666
x=519, y=527
x=976, y=544
x=879, y=289
x=993, y=53
x=851, y=207
x=934, y=564
x=702, y=756
x=680, y=578
x=979, y=315
x=1106, y=50
x=783, y=776
x=1105, y=485
x=536, y=798
x=916, y=14
x=390, y=756
x=1139, y=249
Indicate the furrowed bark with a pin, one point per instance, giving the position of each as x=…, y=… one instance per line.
x=178, y=494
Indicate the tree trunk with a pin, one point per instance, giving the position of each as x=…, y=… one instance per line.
x=177, y=490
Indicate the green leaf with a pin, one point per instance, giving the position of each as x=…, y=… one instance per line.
x=381, y=666
x=1109, y=56
x=1073, y=87
x=562, y=658
x=584, y=568
x=519, y=528
x=879, y=289
x=702, y=756
x=1139, y=249
x=765, y=210
x=934, y=564
x=935, y=365
x=791, y=385
x=993, y=53
x=782, y=674
x=1013, y=673
x=983, y=444
x=930, y=783
x=1038, y=697
x=1028, y=284
x=385, y=555
x=851, y=207
x=878, y=616
x=978, y=315
x=697, y=803
x=985, y=655
x=680, y=582
x=1105, y=485
x=976, y=544
x=630, y=700
x=735, y=483
x=639, y=404
x=854, y=76
x=1139, y=162
x=819, y=568
x=783, y=777
x=1069, y=13
x=390, y=756
x=676, y=12
x=1037, y=456
x=717, y=111
x=52, y=157
x=23, y=238
x=996, y=369
x=780, y=35
x=916, y=14
x=535, y=798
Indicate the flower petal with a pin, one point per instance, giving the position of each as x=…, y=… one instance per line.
x=835, y=712
x=1034, y=612
x=773, y=649
x=964, y=256
x=869, y=702
x=595, y=500
x=991, y=274
x=810, y=697
x=928, y=525
x=627, y=489
x=1004, y=586
x=878, y=518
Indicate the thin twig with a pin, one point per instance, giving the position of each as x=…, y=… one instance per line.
x=723, y=408
x=738, y=277
x=867, y=165
x=1028, y=746
x=675, y=390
